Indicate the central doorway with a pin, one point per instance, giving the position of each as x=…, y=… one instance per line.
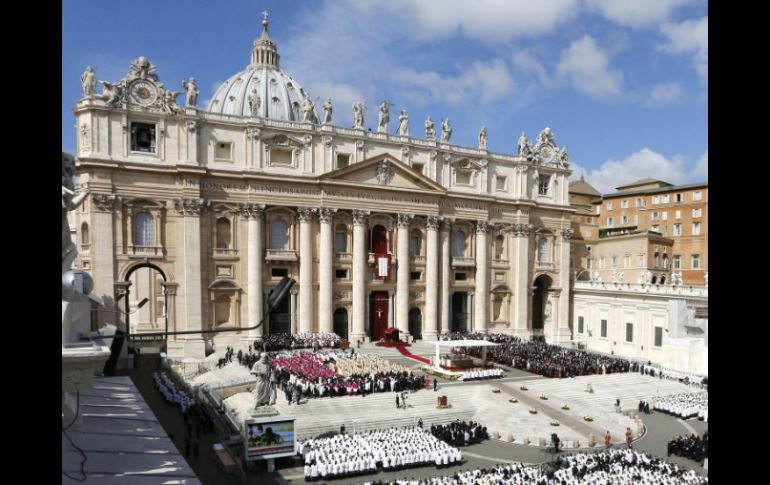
x=341, y=323
x=539, y=299
x=279, y=320
x=459, y=312
x=415, y=324
x=378, y=314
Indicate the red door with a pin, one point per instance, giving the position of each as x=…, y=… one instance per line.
x=378, y=314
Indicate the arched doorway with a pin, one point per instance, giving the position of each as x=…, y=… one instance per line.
x=654, y=279
x=145, y=281
x=341, y=322
x=539, y=299
x=662, y=280
x=415, y=323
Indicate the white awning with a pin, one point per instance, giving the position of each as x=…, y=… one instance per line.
x=464, y=343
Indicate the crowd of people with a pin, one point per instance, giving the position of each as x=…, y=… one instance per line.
x=616, y=467
x=346, y=455
x=693, y=447
x=551, y=360
x=460, y=433
x=307, y=340
x=685, y=405
x=168, y=388
x=311, y=375
x=644, y=407
x=481, y=374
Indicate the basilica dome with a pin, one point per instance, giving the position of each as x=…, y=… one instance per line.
x=262, y=89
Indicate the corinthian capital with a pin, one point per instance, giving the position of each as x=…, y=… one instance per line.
x=566, y=234
x=190, y=207
x=483, y=227
x=405, y=219
x=359, y=217
x=432, y=222
x=251, y=210
x=103, y=202
x=326, y=214
x=305, y=214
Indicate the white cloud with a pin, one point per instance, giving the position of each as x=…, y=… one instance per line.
x=587, y=67
x=484, y=82
x=702, y=166
x=635, y=13
x=525, y=62
x=646, y=163
x=690, y=37
x=490, y=21
x=664, y=93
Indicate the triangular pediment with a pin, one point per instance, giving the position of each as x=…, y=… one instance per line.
x=383, y=171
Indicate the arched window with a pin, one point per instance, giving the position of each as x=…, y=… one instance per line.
x=542, y=250
x=144, y=230
x=415, y=243
x=279, y=235
x=459, y=244
x=341, y=239
x=499, y=242
x=224, y=236
x=84, y=235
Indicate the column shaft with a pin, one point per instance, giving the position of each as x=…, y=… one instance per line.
x=402, y=274
x=254, y=273
x=359, y=274
x=482, y=277
x=325, y=272
x=431, y=280
x=446, y=302
x=305, y=270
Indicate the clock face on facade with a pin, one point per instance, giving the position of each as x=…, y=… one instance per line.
x=143, y=93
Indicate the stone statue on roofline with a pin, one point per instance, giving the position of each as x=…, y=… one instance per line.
x=328, y=111
x=88, y=80
x=308, y=111
x=192, y=91
x=403, y=123
x=430, y=130
x=358, y=115
x=384, y=117
x=483, y=138
x=446, y=131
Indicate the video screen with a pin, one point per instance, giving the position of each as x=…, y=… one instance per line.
x=269, y=438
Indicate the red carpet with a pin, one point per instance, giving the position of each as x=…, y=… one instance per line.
x=401, y=348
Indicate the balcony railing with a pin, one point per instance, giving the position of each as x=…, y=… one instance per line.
x=225, y=252
x=417, y=260
x=343, y=257
x=145, y=250
x=281, y=255
x=545, y=264
x=463, y=262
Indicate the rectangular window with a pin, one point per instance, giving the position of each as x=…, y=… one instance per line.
x=501, y=183
x=664, y=199
x=624, y=204
x=341, y=274
x=624, y=219
x=696, y=261
x=340, y=242
x=461, y=276
x=629, y=332
x=279, y=272
x=679, y=198
x=419, y=168
x=598, y=210
x=462, y=178
x=280, y=157
x=697, y=195
x=656, y=199
x=223, y=151
x=580, y=324
x=677, y=229
x=655, y=216
x=696, y=212
x=678, y=215
x=589, y=263
x=609, y=206
x=604, y=329
x=664, y=216
x=696, y=228
x=415, y=275
x=614, y=261
x=677, y=261
x=658, y=336
x=640, y=261
x=627, y=262
x=343, y=160
x=143, y=137
x=640, y=202
x=542, y=184
x=610, y=221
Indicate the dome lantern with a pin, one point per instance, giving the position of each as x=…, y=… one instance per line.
x=265, y=51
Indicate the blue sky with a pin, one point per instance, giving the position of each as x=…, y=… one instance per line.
x=622, y=83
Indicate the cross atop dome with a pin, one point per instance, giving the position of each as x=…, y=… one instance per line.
x=264, y=52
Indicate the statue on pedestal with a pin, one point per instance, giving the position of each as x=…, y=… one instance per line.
x=255, y=101
x=483, y=138
x=88, y=79
x=403, y=123
x=264, y=390
x=430, y=131
x=358, y=115
x=328, y=111
x=192, y=92
x=308, y=111
x=446, y=131
x=384, y=119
